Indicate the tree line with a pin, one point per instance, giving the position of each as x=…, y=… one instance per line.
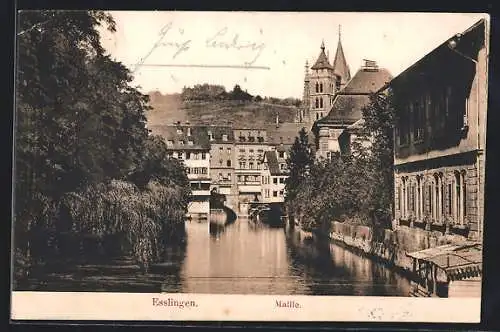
x=85, y=165
x=355, y=187
x=212, y=92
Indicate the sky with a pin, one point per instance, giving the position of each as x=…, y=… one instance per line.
x=265, y=52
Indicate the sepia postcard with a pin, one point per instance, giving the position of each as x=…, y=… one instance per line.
x=249, y=166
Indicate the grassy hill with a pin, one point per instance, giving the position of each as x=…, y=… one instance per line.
x=171, y=108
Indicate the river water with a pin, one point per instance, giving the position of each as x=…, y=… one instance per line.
x=241, y=258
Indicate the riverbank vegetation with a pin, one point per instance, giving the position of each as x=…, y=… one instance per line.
x=86, y=168
x=355, y=187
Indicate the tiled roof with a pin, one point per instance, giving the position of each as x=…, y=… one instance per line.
x=199, y=136
x=346, y=109
x=285, y=133
x=322, y=62
x=367, y=80
x=356, y=126
x=439, y=56
x=349, y=102
x=272, y=163
x=219, y=131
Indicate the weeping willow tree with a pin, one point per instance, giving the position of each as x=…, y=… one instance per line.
x=85, y=166
x=119, y=213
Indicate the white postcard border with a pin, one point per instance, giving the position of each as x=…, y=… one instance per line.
x=208, y=307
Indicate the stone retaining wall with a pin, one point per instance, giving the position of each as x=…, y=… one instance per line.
x=393, y=245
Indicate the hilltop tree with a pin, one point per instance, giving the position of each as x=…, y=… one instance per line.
x=238, y=94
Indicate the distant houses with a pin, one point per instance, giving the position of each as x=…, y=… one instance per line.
x=243, y=164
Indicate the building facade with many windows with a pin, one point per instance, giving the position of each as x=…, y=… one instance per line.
x=441, y=104
x=250, y=145
x=222, y=163
x=230, y=161
x=190, y=144
x=274, y=175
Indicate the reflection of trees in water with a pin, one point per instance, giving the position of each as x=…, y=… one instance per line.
x=314, y=263
x=116, y=272
x=329, y=269
x=215, y=230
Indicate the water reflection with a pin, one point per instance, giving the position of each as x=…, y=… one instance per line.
x=239, y=258
x=329, y=269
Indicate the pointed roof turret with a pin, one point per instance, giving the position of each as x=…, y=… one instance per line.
x=322, y=62
x=340, y=64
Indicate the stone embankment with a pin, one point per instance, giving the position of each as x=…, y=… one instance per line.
x=390, y=246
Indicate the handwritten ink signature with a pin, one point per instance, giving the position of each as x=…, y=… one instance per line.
x=214, y=42
x=180, y=47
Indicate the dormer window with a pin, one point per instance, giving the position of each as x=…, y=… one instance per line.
x=181, y=142
x=210, y=135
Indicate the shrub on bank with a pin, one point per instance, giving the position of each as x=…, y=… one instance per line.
x=102, y=220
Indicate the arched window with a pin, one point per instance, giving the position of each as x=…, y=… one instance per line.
x=459, y=199
x=417, y=197
x=317, y=103
x=321, y=103
x=321, y=87
x=317, y=87
x=404, y=200
x=437, y=201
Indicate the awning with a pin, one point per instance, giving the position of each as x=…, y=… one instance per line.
x=457, y=261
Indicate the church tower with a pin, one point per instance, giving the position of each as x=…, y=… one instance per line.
x=340, y=66
x=322, y=86
x=321, y=83
x=304, y=111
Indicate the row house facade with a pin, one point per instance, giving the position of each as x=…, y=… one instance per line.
x=274, y=175
x=250, y=146
x=190, y=144
x=441, y=104
x=230, y=161
x=222, y=163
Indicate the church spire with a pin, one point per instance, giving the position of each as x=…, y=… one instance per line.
x=322, y=62
x=339, y=63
